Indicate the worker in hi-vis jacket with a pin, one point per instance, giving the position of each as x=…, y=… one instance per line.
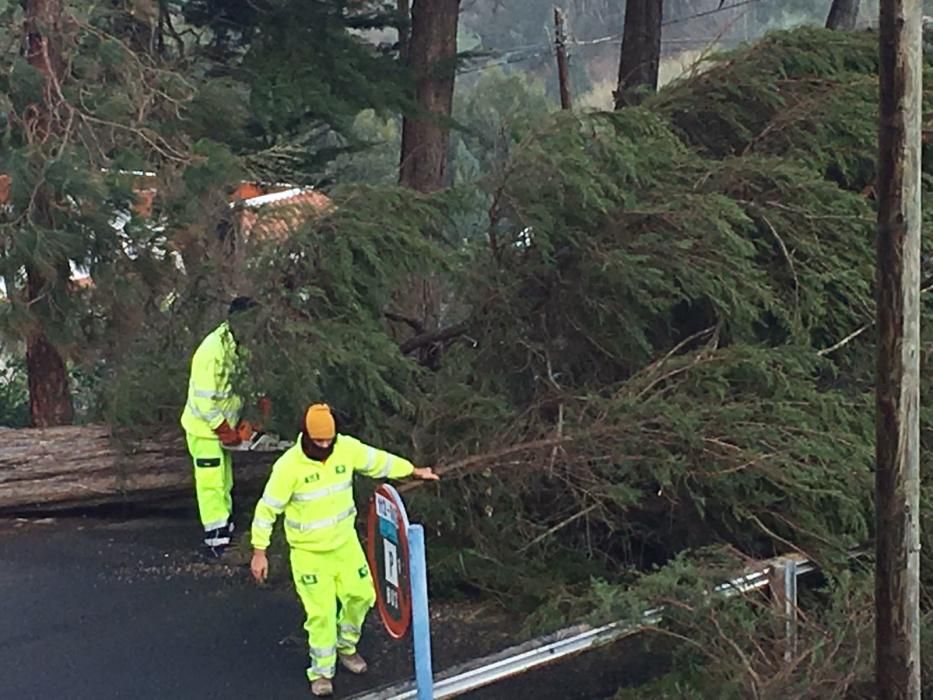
x=312, y=483
x=211, y=420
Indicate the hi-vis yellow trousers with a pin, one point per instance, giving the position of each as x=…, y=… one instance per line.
x=213, y=482
x=322, y=579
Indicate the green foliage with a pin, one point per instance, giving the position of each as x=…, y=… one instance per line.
x=810, y=95
x=76, y=154
x=734, y=647
x=375, y=161
x=688, y=316
x=306, y=72
x=494, y=114
x=491, y=116
x=14, y=393
x=667, y=309
x=324, y=291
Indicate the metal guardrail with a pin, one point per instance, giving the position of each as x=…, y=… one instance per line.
x=576, y=640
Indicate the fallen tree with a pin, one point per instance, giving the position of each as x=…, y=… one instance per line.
x=672, y=358
x=80, y=466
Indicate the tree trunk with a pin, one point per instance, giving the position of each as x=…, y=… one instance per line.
x=897, y=383
x=432, y=53
x=432, y=56
x=42, y=469
x=49, y=392
x=843, y=15
x=403, y=7
x=641, y=52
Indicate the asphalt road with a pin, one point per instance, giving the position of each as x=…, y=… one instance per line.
x=106, y=610
x=124, y=607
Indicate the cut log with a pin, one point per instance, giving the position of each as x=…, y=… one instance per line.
x=77, y=466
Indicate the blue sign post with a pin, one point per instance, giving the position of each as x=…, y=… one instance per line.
x=420, y=615
x=398, y=564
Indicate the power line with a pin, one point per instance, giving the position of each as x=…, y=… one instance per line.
x=536, y=50
x=707, y=13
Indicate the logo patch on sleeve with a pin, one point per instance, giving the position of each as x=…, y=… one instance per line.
x=309, y=579
x=364, y=571
x=341, y=469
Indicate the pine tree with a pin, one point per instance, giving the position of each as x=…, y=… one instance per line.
x=87, y=114
x=307, y=70
x=50, y=398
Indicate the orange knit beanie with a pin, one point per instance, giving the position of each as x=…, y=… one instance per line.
x=319, y=422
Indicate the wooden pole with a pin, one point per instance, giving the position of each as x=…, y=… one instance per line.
x=560, y=45
x=897, y=388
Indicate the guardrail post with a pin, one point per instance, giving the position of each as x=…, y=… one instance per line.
x=784, y=593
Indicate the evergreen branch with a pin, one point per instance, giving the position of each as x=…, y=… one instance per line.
x=711, y=345
x=559, y=526
x=462, y=467
x=158, y=144
x=415, y=324
x=845, y=341
x=788, y=258
x=772, y=534
x=858, y=331
x=431, y=337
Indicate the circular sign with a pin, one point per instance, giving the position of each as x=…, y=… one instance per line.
x=387, y=551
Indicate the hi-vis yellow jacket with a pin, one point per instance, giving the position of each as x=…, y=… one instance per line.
x=317, y=497
x=211, y=400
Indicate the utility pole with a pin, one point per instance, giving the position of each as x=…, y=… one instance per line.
x=560, y=45
x=897, y=383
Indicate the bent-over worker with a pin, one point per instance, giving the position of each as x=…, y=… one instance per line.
x=211, y=420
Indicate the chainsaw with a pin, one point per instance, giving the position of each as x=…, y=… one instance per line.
x=259, y=441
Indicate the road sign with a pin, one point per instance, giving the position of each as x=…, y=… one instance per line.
x=388, y=553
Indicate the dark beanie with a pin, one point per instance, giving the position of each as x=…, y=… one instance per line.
x=241, y=304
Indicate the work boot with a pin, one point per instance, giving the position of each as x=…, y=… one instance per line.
x=322, y=687
x=214, y=554
x=354, y=663
x=216, y=541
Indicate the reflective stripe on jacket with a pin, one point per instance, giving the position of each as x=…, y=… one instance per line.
x=317, y=497
x=211, y=400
